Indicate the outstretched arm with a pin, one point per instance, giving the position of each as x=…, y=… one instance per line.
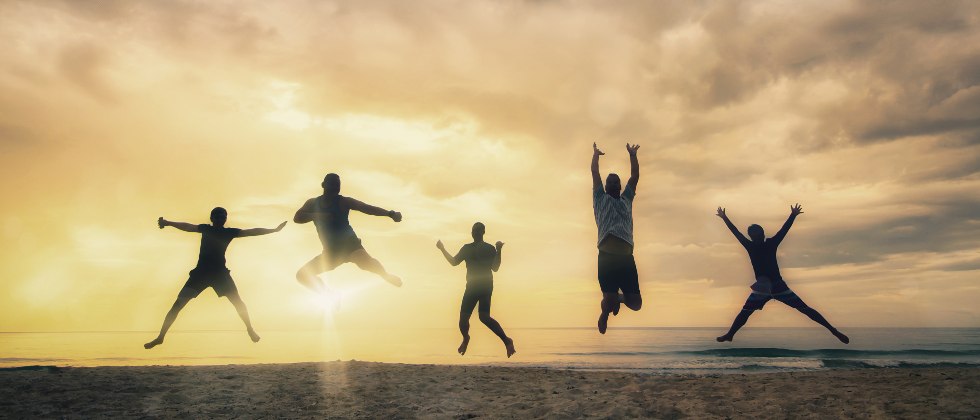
x=305, y=213
x=634, y=167
x=186, y=227
x=496, y=258
x=372, y=210
x=794, y=211
x=452, y=260
x=596, y=179
x=738, y=235
x=260, y=231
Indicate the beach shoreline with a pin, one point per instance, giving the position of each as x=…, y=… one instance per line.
x=353, y=389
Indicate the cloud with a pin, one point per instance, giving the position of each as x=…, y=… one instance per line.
x=15, y=136
x=865, y=112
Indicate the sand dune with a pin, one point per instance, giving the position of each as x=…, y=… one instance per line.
x=375, y=390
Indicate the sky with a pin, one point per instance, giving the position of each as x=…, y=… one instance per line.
x=114, y=113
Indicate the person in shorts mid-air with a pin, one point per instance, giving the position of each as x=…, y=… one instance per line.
x=329, y=213
x=210, y=270
x=769, y=283
x=482, y=259
x=614, y=219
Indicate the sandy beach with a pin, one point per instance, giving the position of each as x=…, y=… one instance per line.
x=376, y=390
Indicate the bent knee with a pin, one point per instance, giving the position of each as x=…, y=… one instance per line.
x=634, y=302
x=485, y=317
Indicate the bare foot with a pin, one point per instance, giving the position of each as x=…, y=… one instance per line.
x=462, y=346
x=509, y=343
x=725, y=337
x=843, y=338
x=255, y=336
x=156, y=342
x=393, y=279
x=603, y=322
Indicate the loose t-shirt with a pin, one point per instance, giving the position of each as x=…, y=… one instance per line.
x=332, y=221
x=479, y=258
x=764, y=264
x=214, y=242
x=614, y=216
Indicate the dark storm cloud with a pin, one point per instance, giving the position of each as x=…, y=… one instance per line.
x=952, y=224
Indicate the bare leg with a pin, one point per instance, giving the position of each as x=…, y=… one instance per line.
x=168, y=321
x=307, y=274
x=633, y=301
x=243, y=314
x=464, y=329
x=738, y=323
x=494, y=326
x=609, y=304
x=368, y=263
x=814, y=315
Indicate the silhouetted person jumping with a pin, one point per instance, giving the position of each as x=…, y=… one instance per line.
x=614, y=218
x=769, y=283
x=482, y=259
x=329, y=213
x=210, y=270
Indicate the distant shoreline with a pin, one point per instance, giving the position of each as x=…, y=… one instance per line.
x=373, y=390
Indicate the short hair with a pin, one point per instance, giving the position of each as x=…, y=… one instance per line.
x=757, y=230
x=219, y=211
x=331, y=182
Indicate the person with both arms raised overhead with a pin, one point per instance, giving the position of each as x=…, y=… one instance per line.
x=769, y=283
x=210, y=270
x=614, y=219
x=482, y=259
x=329, y=213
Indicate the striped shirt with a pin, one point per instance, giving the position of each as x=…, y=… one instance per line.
x=614, y=216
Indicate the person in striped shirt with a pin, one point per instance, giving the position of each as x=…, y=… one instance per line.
x=614, y=219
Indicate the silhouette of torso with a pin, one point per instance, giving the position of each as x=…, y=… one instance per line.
x=331, y=220
x=764, y=264
x=214, y=242
x=478, y=257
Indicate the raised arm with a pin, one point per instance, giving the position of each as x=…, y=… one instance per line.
x=186, y=227
x=495, y=265
x=372, y=210
x=596, y=179
x=794, y=210
x=452, y=260
x=305, y=213
x=634, y=167
x=260, y=231
x=738, y=235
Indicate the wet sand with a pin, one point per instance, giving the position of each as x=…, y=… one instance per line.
x=376, y=390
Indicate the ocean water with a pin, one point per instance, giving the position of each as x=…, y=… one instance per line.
x=654, y=350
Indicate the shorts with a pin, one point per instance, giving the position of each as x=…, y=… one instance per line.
x=217, y=278
x=477, y=292
x=618, y=272
x=757, y=301
x=336, y=254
